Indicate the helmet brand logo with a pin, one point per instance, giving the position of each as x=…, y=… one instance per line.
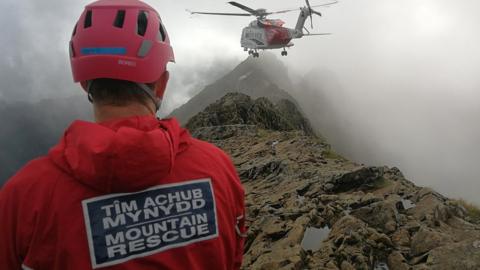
x=127, y=63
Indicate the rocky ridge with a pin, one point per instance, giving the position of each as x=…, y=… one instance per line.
x=309, y=208
x=267, y=78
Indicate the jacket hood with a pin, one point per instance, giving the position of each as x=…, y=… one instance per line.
x=124, y=155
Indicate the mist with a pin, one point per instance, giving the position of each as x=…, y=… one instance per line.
x=401, y=88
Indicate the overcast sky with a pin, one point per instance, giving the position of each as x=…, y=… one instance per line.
x=407, y=71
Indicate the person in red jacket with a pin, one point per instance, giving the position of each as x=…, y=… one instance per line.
x=129, y=191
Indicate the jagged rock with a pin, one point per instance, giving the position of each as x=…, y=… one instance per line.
x=275, y=229
x=370, y=198
x=295, y=235
x=401, y=237
x=378, y=215
x=358, y=201
x=461, y=256
x=420, y=267
x=362, y=178
x=427, y=239
x=455, y=209
x=346, y=266
x=426, y=205
x=395, y=173
x=331, y=266
x=213, y=133
x=382, y=239
x=428, y=191
x=263, y=170
x=328, y=198
x=441, y=213
x=348, y=239
x=396, y=261
x=419, y=260
x=279, y=258
x=239, y=109
x=476, y=244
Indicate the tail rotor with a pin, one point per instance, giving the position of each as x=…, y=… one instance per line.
x=311, y=12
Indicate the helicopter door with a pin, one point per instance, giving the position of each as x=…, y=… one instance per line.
x=253, y=38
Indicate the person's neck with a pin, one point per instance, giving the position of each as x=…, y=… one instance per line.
x=105, y=113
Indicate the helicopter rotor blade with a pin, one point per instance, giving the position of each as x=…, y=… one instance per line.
x=310, y=13
x=247, y=9
x=308, y=4
x=320, y=5
x=318, y=34
x=326, y=5
x=282, y=11
x=221, y=14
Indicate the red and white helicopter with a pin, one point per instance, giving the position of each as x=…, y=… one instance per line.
x=267, y=34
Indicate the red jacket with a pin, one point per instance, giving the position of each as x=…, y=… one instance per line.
x=137, y=193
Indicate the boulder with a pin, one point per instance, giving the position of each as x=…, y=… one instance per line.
x=363, y=178
x=396, y=261
x=427, y=239
x=453, y=256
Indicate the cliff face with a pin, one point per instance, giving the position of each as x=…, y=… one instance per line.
x=309, y=208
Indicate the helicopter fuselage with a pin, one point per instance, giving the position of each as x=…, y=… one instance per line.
x=266, y=34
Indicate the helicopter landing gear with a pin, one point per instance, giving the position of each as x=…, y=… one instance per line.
x=284, y=52
x=254, y=53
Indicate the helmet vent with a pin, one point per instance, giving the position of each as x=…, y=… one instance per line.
x=72, y=50
x=74, y=30
x=161, y=33
x=119, y=19
x=142, y=22
x=88, y=20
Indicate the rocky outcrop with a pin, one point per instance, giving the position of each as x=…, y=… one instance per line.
x=237, y=109
x=373, y=216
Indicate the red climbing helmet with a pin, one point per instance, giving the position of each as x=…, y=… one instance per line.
x=119, y=39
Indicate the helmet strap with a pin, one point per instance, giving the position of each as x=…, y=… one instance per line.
x=151, y=94
x=142, y=86
x=89, y=94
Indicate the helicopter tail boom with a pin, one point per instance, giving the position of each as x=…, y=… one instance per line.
x=305, y=13
x=302, y=18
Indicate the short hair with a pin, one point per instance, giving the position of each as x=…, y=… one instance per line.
x=117, y=92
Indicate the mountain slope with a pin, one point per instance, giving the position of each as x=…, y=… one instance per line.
x=251, y=77
x=309, y=208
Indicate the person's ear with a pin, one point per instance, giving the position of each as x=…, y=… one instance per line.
x=161, y=84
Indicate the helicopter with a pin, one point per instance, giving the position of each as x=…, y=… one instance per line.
x=268, y=34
